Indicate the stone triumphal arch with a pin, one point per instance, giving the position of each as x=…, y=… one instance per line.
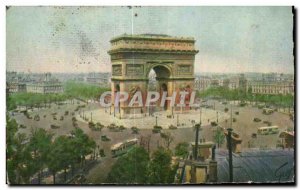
x=133, y=57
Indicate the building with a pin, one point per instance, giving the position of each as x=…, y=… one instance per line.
x=230, y=82
x=287, y=139
x=202, y=83
x=45, y=86
x=251, y=166
x=14, y=83
x=257, y=166
x=98, y=79
x=273, y=77
x=273, y=88
x=201, y=170
x=14, y=87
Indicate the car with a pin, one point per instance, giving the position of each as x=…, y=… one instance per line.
x=267, y=111
x=256, y=119
x=105, y=138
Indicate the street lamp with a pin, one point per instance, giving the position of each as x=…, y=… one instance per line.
x=229, y=146
x=197, y=126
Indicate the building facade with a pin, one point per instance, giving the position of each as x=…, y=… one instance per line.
x=273, y=88
x=46, y=86
x=98, y=79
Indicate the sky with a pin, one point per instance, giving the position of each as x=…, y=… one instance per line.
x=76, y=39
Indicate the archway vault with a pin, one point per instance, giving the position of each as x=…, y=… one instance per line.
x=133, y=57
x=161, y=70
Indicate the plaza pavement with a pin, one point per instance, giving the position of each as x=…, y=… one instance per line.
x=144, y=121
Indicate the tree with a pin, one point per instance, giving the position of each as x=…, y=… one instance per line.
x=18, y=158
x=160, y=170
x=168, y=138
x=60, y=156
x=83, y=145
x=19, y=167
x=39, y=146
x=130, y=168
x=219, y=136
x=182, y=149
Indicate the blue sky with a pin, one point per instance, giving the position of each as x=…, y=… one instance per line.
x=229, y=39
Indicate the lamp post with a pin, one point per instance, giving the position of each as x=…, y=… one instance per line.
x=114, y=111
x=196, y=140
x=229, y=146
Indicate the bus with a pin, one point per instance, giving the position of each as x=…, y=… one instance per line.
x=267, y=130
x=123, y=147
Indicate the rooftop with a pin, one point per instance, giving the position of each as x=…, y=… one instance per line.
x=153, y=37
x=259, y=166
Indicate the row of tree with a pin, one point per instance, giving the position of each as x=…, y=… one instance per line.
x=28, y=157
x=83, y=90
x=237, y=94
x=32, y=99
x=71, y=90
x=138, y=167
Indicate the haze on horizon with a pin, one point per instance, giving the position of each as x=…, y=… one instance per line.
x=76, y=39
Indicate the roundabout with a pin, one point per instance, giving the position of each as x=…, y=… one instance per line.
x=160, y=118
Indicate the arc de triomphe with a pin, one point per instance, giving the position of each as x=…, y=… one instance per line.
x=133, y=57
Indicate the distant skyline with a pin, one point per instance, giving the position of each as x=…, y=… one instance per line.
x=76, y=39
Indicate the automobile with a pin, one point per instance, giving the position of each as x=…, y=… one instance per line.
x=23, y=126
x=213, y=123
x=268, y=123
x=102, y=154
x=156, y=129
x=256, y=119
x=242, y=104
x=172, y=127
x=54, y=126
x=267, y=111
x=135, y=130
x=105, y=138
x=260, y=106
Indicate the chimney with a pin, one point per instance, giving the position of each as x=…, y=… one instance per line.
x=213, y=171
x=213, y=167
